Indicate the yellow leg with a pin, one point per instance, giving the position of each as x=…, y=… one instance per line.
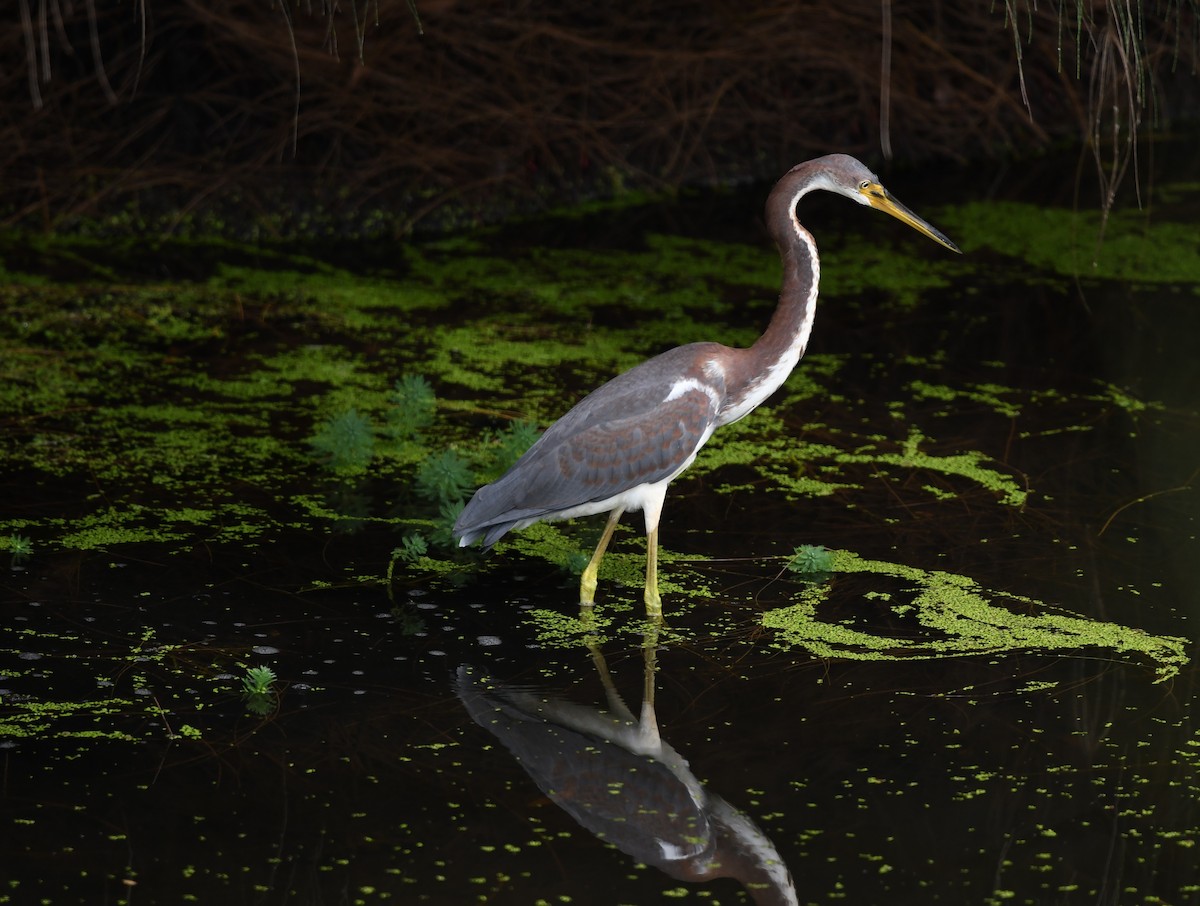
x=587, y=582
x=653, y=599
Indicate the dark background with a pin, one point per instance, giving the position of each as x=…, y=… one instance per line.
x=386, y=116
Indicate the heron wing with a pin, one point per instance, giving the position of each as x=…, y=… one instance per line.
x=638, y=448
x=622, y=436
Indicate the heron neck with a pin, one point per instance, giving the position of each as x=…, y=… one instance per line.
x=757, y=372
x=786, y=336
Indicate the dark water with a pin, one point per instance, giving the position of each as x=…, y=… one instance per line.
x=435, y=741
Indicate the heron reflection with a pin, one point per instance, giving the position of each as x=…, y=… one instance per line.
x=613, y=773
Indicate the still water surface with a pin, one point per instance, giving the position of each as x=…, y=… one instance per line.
x=988, y=699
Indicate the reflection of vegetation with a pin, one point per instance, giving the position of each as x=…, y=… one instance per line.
x=943, y=614
x=409, y=622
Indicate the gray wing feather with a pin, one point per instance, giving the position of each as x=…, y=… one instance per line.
x=622, y=435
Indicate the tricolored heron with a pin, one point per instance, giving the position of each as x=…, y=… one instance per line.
x=621, y=445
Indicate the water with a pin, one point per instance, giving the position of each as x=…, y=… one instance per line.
x=988, y=699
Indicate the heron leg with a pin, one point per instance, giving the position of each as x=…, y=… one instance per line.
x=653, y=599
x=587, y=582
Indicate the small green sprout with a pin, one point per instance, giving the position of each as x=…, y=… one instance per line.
x=811, y=560
x=345, y=442
x=258, y=680
x=443, y=529
x=257, y=690
x=500, y=450
x=513, y=442
x=21, y=548
x=412, y=547
x=412, y=407
x=445, y=478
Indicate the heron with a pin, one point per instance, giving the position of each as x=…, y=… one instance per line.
x=620, y=446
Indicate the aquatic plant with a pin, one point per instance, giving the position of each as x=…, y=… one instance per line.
x=412, y=405
x=20, y=544
x=345, y=442
x=412, y=547
x=257, y=690
x=444, y=478
x=512, y=443
x=811, y=559
x=21, y=548
x=576, y=562
x=258, y=680
x=951, y=615
x=443, y=528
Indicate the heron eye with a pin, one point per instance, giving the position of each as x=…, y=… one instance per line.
x=864, y=185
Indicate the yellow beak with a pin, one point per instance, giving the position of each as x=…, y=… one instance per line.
x=881, y=200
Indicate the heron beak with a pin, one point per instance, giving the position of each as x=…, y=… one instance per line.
x=881, y=200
